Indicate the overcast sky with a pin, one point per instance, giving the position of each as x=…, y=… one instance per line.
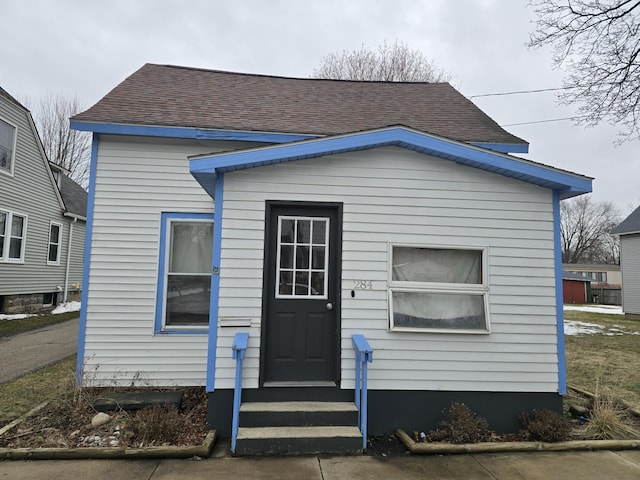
x=85, y=48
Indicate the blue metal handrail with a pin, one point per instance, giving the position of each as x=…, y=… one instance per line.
x=239, y=348
x=364, y=355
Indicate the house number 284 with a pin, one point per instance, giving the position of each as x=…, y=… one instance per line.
x=362, y=285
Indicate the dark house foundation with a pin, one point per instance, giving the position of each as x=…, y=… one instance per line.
x=393, y=409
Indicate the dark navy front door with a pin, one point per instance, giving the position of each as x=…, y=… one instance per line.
x=300, y=326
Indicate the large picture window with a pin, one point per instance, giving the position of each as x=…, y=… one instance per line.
x=7, y=146
x=438, y=289
x=185, y=277
x=13, y=235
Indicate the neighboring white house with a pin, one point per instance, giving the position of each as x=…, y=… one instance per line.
x=42, y=219
x=629, y=232
x=303, y=211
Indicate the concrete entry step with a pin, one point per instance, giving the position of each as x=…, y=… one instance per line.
x=266, y=414
x=298, y=440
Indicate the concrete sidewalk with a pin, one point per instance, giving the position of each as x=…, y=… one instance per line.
x=624, y=465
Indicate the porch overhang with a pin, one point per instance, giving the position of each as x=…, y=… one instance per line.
x=206, y=168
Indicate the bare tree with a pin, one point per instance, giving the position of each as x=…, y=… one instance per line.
x=63, y=146
x=389, y=63
x=584, y=230
x=598, y=43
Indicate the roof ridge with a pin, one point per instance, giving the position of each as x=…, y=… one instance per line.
x=283, y=77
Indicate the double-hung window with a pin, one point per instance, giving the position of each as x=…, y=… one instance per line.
x=55, y=239
x=13, y=236
x=184, y=282
x=438, y=289
x=7, y=146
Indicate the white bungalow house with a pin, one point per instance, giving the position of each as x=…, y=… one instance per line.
x=303, y=212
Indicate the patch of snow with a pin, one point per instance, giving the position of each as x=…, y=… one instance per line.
x=573, y=327
x=66, y=307
x=611, y=309
x=16, y=316
x=62, y=308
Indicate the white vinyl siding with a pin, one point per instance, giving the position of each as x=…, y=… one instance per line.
x=392, y=195
x=136, y=180
x=630, y=263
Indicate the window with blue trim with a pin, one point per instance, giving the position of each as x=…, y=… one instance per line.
x=184, y=280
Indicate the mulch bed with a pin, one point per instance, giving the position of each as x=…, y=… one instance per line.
x=66, y=423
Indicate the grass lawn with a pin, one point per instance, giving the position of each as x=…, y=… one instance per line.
x=609, y=362
x=19, y=396
x=21, y=325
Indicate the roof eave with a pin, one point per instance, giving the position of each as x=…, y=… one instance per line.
x=186, y=132
x=568, y=184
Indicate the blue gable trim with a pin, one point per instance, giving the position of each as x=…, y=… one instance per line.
x=557, y=243
x=87, y=256
x=215, y=284
x=186, y=132
x=206, y=168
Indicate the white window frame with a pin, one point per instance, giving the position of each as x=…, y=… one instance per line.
x=167, y=219
x=58, y=243
x=12, y=160
x=481, y=289
x=4, y=252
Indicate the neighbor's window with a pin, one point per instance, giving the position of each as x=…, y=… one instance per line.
x=13, y=231
x=55, y=238
x=186, y=283
x=7, y=146
x=438, y=289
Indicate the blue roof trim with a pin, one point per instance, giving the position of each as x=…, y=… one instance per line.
x=84, y=296
x=206, y=168
x=186, y=132
x=560, y=344
x=504, y=147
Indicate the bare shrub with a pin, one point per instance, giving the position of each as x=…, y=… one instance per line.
x=544, y=426
x=461, y=425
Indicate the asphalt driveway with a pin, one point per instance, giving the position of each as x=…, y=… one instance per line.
x=23, y=353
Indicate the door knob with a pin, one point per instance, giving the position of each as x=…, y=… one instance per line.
x=329, y=306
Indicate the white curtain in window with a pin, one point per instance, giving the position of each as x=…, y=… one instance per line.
x=191, y=247
x=438, y=310
x=437, y=265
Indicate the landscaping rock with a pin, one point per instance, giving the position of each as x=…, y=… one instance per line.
x=100, y=419
x=578, y=411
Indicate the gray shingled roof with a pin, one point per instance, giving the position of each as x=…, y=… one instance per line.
x=74, y=196
x=164, y=95
x=575, y=276
x=631, y=224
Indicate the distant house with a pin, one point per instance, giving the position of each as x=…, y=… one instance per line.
x=303, y=212
x=42, y=219
x=600, y=274
x=629, y=232
x=576, y=288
